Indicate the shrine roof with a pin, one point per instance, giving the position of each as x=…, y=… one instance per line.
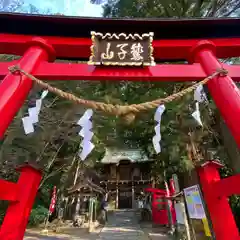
x=114, y=156
x=48, y=25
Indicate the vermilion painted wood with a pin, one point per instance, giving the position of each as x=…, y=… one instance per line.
x=8, y=190
x=4, y=68
x=80, y=47
x=155, y=190
x=75, y=71
x=63, y=71
x=16, y=218
x=160, y=217
x=226, y=96
x=223, y=90
x=171, y=186
x=15, y=88
x=227, y=186
x=223, y=221
x=167, y=72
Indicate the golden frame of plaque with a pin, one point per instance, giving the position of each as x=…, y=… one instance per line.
x=122, y=49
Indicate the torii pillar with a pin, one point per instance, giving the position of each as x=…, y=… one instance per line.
x=216, y=192
x=223, y=90
x=14, y=90
x=21, y=196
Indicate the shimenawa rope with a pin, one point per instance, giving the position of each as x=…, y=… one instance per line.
x=126, y=111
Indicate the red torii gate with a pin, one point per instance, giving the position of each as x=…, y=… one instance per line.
x=39, y=40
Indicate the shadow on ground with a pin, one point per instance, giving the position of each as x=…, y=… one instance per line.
x=155, y=233
x=66, y=234
x=121, y=225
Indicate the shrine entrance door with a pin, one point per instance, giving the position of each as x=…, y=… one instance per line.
x=125, y=198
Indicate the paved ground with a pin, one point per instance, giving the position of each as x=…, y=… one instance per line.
x=71, y=234
x=74, y=236
x=154, y=233
x=39, y=237
x=122, y=225
x=42, y=237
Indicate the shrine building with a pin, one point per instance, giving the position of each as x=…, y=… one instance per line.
x=126, y=174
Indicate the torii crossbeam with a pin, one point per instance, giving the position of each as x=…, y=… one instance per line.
x=41, y=39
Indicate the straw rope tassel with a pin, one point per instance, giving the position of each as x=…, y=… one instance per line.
x=128, y=112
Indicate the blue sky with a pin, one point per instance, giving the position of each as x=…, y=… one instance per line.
x=67, y=7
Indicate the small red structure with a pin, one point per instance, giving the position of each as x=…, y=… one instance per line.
x=21, y=196
x=216, y=192
x=159, y=207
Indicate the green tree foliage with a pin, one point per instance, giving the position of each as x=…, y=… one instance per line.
x=179, y=133
x=182, y=140
x=171, y=8
x=38, y=215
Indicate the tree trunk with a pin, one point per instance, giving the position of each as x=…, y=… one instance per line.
x=76, y=172
x=76, y=204
x=230, y=146
x=77, y=210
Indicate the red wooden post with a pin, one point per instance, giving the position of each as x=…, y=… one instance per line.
x=16, y=218
x=223, y=221
x=15, y=88
x=8, y=190
x=223, y=90
x=171, y=187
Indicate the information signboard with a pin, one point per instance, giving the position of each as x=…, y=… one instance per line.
x=194, y=202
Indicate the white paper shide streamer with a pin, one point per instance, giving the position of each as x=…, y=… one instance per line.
x=157, y=138
x=32, y=118
x=197, y=115
x=199, y=97
x=86, y=133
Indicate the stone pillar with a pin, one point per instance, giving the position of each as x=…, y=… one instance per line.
x=117, y=195
x=133, y=196
x=117, y=188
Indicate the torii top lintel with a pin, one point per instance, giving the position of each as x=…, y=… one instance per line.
x=172, y=37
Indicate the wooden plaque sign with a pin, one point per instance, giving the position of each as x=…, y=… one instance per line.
x=122, y=49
